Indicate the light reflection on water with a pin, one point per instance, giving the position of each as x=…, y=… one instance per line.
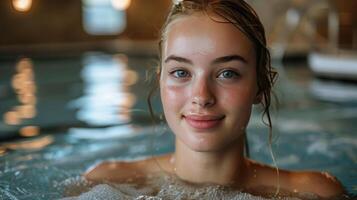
x=29, y=131
x=112, y=132
x=32, y=144
x=334, y=91
x=23, y=84
x=106, y=99
x=25, y=88
x=94, y=96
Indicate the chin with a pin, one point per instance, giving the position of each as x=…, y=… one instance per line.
x=205, y=146
x=211, y=144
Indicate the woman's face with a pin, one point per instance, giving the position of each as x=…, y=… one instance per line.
x=208, y=82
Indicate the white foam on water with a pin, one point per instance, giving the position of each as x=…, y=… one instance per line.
x=169, y=188
x=101, y=191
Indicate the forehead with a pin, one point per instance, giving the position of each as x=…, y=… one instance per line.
x=200, y=34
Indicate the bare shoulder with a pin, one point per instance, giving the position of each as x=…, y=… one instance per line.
x=320, y=183
x=117, y=171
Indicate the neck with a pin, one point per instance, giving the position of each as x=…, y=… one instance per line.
x=225, y=167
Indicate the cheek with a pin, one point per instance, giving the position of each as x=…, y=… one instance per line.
x=172, y=102
x=238, y=104
x=171, y=98
x=238, y=97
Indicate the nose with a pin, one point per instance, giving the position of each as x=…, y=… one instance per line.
x=203, y=94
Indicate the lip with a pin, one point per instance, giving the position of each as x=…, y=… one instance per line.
x=203, y=121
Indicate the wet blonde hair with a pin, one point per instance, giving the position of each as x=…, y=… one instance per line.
x=242, y=16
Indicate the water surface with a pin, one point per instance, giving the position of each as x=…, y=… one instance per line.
x=74, y=111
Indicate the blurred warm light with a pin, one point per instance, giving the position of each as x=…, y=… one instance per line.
x=2, y=151
x=17, y=81
x=25, y=88
x=128, y=101
x=121, y=58
x=121, y=4
x=26, y=111
x=131, y=77
x=24, y=63
x=124, y=116
x=30, y=88
x=37, y=143
x=126, y=104
x=29, y=131
x=27, y=98
x=176, y=1
x=12, y=118
x=28, y=73
x=22, y=5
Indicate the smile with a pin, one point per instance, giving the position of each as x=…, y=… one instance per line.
x=203, y=121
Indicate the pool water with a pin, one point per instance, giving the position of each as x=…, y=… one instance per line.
x=170, y=187
x=71, y=112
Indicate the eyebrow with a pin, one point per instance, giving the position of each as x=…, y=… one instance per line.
x=229, y=58
x=178, y=59
x=218, y=60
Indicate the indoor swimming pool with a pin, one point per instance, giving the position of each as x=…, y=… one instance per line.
x=60, y=115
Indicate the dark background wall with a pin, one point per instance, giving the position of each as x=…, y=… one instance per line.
x=348, y=23
x=60, y=21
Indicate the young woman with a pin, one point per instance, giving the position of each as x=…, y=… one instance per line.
x=214, y=67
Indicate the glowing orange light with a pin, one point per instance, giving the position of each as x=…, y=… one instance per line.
x=121, y=4
x=30, y=88
x=24, y=85
x=22, y=5
x=2, y=151
x=12, y=118
x=28, y=73
x=128, y=101
x=24, y=64
x=26, y=111
x=16, y=82
x=131, y=77
x=37, y=143
x=29, y=131
x=27, y=98
x=121, y=58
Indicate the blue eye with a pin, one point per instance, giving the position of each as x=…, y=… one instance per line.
x=228, y=74
x=180, y=73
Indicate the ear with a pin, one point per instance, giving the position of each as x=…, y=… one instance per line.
x=258, y=98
